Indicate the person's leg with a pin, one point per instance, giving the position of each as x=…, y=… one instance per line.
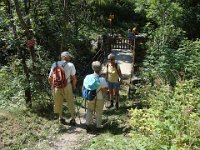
x=69, y=97
x=58, y=102
x=111, y=94
x=89, y=113
x=99, y=112
x=116, y=91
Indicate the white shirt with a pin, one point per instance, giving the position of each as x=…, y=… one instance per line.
x=69, y=69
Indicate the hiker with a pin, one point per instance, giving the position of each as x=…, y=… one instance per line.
x=114, y=78
x=64, y=92
x=134, y=31
x=130, y=36
x=96, y=105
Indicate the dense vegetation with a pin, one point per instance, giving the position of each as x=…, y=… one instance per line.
x=171, y=68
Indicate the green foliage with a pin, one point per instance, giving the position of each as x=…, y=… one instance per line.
x=11, y=89
x=110, y=142
x=14, y=82
x=161, y=12
x=172, y=65
x=172, y=122
x=41, y=91
x=191, y=19
x=188, y=60
x=22, y=129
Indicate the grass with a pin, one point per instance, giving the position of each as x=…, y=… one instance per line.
x=23, y=128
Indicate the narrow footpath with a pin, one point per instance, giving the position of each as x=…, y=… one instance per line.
x=72, y=138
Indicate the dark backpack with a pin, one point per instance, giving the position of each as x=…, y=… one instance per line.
x=90, y=92
x=59, y=78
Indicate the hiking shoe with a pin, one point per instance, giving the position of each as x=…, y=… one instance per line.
x=56, y=116
x=88, y=128
x=62, y=120
x=72, y=122
x=111, y=105
x=99, y=127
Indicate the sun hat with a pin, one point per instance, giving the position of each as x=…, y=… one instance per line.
x=111, y=56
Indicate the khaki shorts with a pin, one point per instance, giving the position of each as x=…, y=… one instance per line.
x=64, y=94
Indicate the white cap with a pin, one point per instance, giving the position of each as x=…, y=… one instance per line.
x=111, y=56
x=65, y=54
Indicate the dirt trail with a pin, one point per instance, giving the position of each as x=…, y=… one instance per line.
x=74, y=137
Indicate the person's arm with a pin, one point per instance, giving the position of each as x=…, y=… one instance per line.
x=104, y=91
x=50, y=79
x=106, y=74
x=74, y=82
x=104, y=87
x=120, y=73
x=73, y=76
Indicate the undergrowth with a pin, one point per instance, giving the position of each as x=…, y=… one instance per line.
x=24, y=129
x=171, y=122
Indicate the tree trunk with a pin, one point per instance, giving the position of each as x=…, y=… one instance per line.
x=22, y=55
x=27, y=88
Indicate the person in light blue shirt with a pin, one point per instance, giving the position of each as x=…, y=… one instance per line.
x=96, y=105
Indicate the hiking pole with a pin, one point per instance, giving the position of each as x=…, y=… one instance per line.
x=95, y=103
x=77, y=107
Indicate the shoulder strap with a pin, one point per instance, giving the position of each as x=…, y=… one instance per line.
x=56, y=64
x=99, y=82
x=118, y=69
x=63, y=65
x=116, y=65
x=107, y=70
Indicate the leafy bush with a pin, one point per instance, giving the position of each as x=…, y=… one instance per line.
x=11, y=90
x=188, y=62
x=110, y=142
x=171, y=122
x=172, y=65
x=13, y=82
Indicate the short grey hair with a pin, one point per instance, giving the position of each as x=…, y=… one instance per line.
x=65, y=54
x=111, y=56
x=96, y=66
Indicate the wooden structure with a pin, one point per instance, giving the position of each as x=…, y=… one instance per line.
x=123, y=43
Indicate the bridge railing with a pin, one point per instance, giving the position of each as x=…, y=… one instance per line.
x=123, y=43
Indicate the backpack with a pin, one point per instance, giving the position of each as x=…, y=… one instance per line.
x=89, y=90
x=59, y=79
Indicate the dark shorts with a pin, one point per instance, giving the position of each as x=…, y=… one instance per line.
x=113, y=85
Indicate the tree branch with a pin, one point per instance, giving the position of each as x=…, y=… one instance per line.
x=22, y=22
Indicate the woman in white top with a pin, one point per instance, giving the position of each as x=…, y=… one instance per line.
x=97, y=104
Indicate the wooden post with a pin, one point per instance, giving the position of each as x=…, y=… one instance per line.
x=133, y=51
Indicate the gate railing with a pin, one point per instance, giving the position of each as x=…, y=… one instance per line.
x=123, y=43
